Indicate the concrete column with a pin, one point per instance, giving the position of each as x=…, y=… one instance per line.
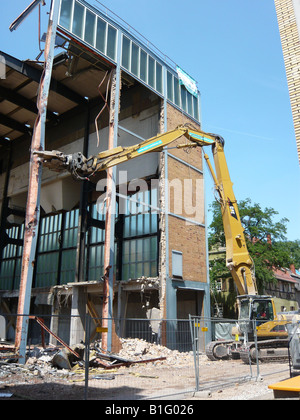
x=78, y=314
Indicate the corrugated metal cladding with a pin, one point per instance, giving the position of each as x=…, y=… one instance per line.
x=99, y=32
x=288, y=16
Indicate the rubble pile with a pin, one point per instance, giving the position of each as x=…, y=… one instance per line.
x=60, y=361
x=40, y=364
x=138, y=349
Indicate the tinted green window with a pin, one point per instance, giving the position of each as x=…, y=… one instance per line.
x=68, y=263
x=183, y=98
x=189, y=103
x=143, y=66
x=65, y=14
x=134, y=59
x=46, y=271
x=176, y=91
x=140, y=236
x=111, y=42
x=96, y=262
x=101, y=35
x=170, y=86
x=151, y=72
x=50, y=233
x=11, y=260
x=7, y=274
x=78, y=20
x=159, y=77
x=90, y=22
x=196, y=109
x=70, y=229
x=125, y=52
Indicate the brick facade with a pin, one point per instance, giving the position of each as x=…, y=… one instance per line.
x=288, y=15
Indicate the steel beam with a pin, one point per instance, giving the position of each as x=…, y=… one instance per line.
x=14, y=124
x=34, y=189
x=109, y=245
x=35, y=74
x=19, y=100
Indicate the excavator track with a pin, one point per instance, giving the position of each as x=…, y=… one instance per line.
x=218, y=350
x=268, y=351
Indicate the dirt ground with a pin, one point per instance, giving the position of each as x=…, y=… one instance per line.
x=169, y=379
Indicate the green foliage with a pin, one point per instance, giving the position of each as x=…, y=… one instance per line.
x=218, y=270
x=293, y=249
x=266, y=241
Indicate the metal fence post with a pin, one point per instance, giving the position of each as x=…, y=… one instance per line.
x=258, y=377
x=195, y=343
x=87, y=353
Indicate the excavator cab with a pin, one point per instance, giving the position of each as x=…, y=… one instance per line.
x=255, y=311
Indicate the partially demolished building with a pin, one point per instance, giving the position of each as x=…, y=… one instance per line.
x=104, y=71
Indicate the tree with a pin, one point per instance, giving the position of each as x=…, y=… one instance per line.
x=293, y=247
x=265, y=241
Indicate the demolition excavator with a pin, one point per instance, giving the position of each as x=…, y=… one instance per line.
x=257, y=314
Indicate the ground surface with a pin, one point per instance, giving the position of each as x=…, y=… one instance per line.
x=170, y=379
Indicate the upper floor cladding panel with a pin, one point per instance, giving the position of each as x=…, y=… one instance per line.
x=108, y=38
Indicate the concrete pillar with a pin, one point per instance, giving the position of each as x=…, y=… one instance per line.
x=78, y=314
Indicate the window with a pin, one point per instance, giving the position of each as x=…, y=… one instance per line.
x=77, y=28
x=69, y=245
x=90, y=22
x=219, y=285
x=126, y=53
x=96, y=248
x=48, y=251
x=196, y=108
x=94, y=28
x=189, y=103
x=111, y=42
x=101, y=35
x=143, y=66
x=56, y=259
x=134, y=59
x=176, y=91
x=183, y=98
x=139, y=258
x=177, y=264
x=11, y=261
x=65, y=13
x=170, y=86
x=140, y=236
x=151, y=71
x=159, y=82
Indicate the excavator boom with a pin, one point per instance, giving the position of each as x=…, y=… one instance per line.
x=237, y=257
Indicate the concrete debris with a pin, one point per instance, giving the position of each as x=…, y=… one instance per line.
x=140, y=349
x=60, y=362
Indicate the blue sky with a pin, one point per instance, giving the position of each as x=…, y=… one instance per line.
x=232, y=48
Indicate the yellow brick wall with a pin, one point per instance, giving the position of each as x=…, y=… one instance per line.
x=183, y=236
x=290, y=41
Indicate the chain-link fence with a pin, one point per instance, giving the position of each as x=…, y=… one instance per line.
x=112, y=359
x=105, y=355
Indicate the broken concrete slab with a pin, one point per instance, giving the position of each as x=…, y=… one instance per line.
x=61, y=360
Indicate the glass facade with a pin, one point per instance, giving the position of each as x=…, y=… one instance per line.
x=100, y=32
x=140, y=236
x=136, y=245
x=11, y=262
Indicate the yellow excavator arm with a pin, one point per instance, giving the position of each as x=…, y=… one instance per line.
x=238, y=259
